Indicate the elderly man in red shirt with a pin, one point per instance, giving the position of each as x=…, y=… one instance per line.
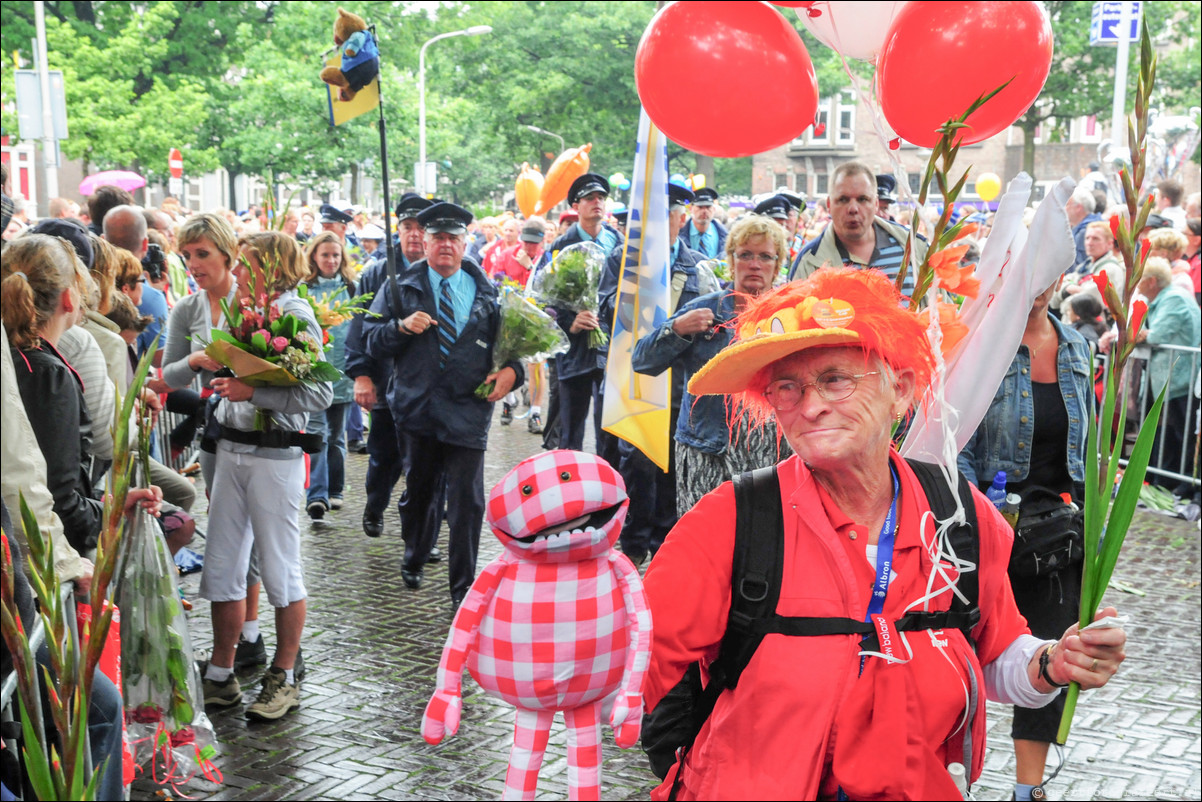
x=516, y=262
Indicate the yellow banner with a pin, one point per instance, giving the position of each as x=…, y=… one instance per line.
x=364, y=101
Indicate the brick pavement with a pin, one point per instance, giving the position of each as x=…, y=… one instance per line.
x=372, y=647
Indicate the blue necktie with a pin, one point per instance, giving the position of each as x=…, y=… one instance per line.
x=446, y=322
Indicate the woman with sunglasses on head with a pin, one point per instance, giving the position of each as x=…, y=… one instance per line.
x=713, y=446
x=818, y=712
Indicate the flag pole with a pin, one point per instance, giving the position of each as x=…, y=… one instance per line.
x=389, y=247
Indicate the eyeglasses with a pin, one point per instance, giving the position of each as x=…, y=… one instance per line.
x=142, y=280
x=832, y=385
x=762, y=258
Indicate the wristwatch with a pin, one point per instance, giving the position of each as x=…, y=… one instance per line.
x=1045, y=658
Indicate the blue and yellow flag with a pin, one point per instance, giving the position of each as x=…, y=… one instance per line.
x=364, y=101
x=638, y=408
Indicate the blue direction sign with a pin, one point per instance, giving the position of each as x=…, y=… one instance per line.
x=1105, y=25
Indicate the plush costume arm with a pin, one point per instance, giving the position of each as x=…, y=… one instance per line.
x=442, y=712
x=354, y=43
x=627, y=716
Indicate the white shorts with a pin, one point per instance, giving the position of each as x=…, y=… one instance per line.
x=254, y=501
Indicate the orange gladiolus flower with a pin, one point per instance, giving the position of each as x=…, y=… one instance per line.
x=952, y=276
x=953, y=328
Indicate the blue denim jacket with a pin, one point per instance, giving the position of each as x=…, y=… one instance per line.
x=1003, y=440
x=704, y=427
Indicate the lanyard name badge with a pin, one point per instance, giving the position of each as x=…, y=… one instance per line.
x=884, y=568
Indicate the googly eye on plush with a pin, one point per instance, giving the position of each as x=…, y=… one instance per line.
x=566, y=476
x=527, y=490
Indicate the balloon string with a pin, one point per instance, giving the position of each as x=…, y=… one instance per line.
x=935, y=399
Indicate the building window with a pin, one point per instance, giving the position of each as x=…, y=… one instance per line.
x=846, y=111
x=915, y=181
x=801, y=183
x=822, y=124
x=821, y=183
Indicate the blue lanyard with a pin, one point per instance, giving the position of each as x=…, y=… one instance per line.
x=884, y=555
x=884, y=565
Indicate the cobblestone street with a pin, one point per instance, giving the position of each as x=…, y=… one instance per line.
x=372, y=647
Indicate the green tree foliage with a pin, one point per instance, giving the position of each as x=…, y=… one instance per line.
x=1081, y=81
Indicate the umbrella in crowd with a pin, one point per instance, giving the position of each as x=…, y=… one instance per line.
x=118, y=178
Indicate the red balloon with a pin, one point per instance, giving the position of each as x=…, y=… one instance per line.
x=941, y=56
x=690, y=45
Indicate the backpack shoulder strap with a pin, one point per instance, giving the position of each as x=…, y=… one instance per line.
x=963, y=538
x=755, y=583
x=758, y=561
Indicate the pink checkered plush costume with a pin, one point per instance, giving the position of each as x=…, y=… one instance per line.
x=557, y=622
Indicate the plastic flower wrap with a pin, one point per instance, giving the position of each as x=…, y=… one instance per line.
x=164, y=711
x=526, y=332
x=570, y=281
x=719, y=268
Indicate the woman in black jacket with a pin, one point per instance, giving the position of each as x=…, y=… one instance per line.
x=41, y=298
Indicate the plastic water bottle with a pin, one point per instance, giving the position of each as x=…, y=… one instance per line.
x=960, y=778
x=997, y=491
x=1011, y=508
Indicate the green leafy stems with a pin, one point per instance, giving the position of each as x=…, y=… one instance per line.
x=1106, y=522
x=938, y=170
x=68, y=679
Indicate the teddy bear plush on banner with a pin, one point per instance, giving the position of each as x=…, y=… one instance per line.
x=558, y=622
x=360, y=56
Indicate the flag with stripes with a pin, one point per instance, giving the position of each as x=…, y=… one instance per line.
x=638, y=408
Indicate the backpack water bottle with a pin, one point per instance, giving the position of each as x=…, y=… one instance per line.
x=997, y=491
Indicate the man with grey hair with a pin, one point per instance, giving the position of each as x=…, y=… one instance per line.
x=857, y=236
x=125, y=227
x=1080, y=211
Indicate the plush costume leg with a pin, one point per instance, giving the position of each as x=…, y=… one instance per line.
x=584, y=751
x=531, y=730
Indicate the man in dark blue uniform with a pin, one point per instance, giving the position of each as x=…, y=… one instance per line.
x=886, y=195
x=653, y=508
x=580, y=373
x=438, y=334
x=372, y=377
x=703, y=233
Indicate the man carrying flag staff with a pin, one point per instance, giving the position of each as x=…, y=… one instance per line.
x=438, y=333
x=653, y=508
x=372, y=376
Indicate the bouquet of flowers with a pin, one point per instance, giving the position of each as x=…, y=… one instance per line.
x=527, y=332
x=161, y=686
x=266, y=347
x=331, y=314
x=570, y=282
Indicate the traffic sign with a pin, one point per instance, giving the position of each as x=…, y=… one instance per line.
x=29, y=104
x=175, y=163
x=1106, y=23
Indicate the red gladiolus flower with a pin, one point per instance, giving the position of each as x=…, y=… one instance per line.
x=1114, y=226
x=1144, y=248
x=1138, y=310
x=1102, y=280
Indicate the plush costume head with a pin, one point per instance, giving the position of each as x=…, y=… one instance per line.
x=559, y=506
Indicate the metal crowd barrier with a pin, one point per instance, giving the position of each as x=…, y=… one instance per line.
x=1183, y=465
x=162, y=436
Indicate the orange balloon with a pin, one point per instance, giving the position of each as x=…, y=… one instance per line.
x=527, y=189
x=570, y=165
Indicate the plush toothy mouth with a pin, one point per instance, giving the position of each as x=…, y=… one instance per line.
x=564, y=531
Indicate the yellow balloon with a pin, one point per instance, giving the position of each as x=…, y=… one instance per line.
x=988, y=186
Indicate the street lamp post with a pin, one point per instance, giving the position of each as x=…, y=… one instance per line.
x=562, y=145
x=475, y=30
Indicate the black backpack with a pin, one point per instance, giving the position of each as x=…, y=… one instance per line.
x=670, y=729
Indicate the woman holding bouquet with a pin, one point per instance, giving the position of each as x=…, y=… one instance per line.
x=330, y=282
x=259, y=476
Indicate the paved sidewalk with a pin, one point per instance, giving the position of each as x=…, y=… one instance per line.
x=372, y=646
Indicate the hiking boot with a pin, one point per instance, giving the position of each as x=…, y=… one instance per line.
x=317, y=509
x=335, y=503
x=250, y=654
x=222, y=694
x=276, y=698
x=534, y=424
x=506, y=414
